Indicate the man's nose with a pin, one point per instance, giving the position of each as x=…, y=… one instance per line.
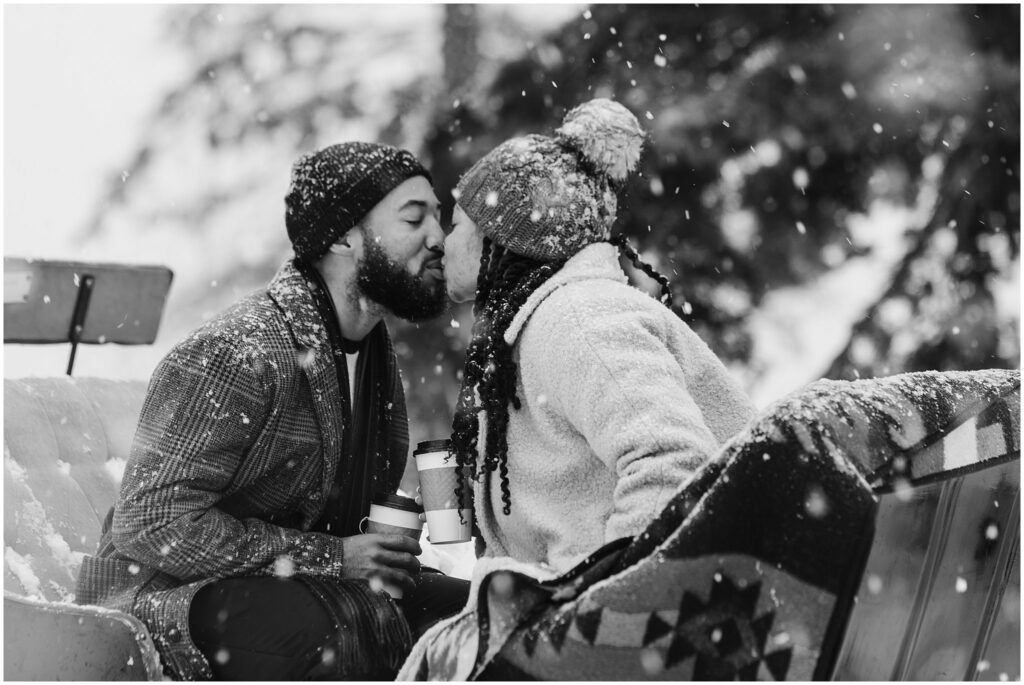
x=435, y=235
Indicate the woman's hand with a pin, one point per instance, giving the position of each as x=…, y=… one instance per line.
x=419, y=501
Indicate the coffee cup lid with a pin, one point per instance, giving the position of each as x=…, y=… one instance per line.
x=397, y=502
x=433, y=446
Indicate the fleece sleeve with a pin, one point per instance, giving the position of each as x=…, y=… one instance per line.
x=202, y=414
x=610, y=374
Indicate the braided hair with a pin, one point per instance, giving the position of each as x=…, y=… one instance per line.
x=622, y=243
x=504, y=282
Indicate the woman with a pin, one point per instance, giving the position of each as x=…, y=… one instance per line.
x=585, y=403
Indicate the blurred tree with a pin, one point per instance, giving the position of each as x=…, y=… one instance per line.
x=945, y=285
x=772, y=128
x=772, y=125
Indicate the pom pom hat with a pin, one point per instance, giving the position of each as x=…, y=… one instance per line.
x=548, y=197
x=334, y=188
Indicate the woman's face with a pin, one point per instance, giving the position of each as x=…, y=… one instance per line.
x=462, y=250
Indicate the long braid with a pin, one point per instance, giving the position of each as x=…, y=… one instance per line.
x=622, y=243
x=466, y=425
x=483, y=283
x=504, y=282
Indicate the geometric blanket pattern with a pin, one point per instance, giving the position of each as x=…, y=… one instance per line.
x=750, y=571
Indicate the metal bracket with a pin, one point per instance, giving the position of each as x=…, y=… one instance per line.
x=78, y=318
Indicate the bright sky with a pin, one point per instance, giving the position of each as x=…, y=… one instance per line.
x=80, y=81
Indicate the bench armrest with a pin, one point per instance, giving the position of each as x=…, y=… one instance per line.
x=57, y=641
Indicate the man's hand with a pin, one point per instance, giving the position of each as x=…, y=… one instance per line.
x=391, y=558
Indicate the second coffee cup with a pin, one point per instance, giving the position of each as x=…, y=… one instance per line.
x=395, y=515
x=449, y=520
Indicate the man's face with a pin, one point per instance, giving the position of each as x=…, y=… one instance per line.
x=400, y=266
x=463, y=248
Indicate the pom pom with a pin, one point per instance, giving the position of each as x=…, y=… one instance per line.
x=606, y=134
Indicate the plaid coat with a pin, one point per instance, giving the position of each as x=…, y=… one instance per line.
x=238, y=444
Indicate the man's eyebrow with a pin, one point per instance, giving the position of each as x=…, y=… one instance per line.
x=418, y=204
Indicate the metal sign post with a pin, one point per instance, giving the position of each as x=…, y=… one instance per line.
x=78, y=318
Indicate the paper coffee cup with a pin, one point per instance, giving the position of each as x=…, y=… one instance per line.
x=395, y=515
x=448, y=520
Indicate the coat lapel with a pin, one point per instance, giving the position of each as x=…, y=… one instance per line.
x=291, y=292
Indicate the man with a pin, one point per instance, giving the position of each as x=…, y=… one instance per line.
x=263, y=438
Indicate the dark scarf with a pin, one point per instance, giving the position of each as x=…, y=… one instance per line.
x=365, y=436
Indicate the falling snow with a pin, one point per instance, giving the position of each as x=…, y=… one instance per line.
x=844, y=306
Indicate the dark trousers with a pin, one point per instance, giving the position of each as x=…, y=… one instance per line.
x=266, y=628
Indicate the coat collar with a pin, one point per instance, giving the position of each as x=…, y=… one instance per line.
x=596, y=261
x=290, y=290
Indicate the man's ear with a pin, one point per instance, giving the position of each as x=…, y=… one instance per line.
x=347, y=244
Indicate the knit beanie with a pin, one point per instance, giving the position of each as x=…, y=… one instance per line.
x=548, y=197
x=333, y=189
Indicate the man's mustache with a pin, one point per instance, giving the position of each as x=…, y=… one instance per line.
x=435, y=261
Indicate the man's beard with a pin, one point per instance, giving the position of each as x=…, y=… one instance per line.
x=390, y=285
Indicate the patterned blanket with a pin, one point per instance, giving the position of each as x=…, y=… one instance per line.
x=750, y=571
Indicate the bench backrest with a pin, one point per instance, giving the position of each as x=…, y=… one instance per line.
x=66, y=443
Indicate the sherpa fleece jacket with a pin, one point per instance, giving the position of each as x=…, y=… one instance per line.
x=621, y=403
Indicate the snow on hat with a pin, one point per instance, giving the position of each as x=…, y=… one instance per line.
x=334, y=188
x=547, y=197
